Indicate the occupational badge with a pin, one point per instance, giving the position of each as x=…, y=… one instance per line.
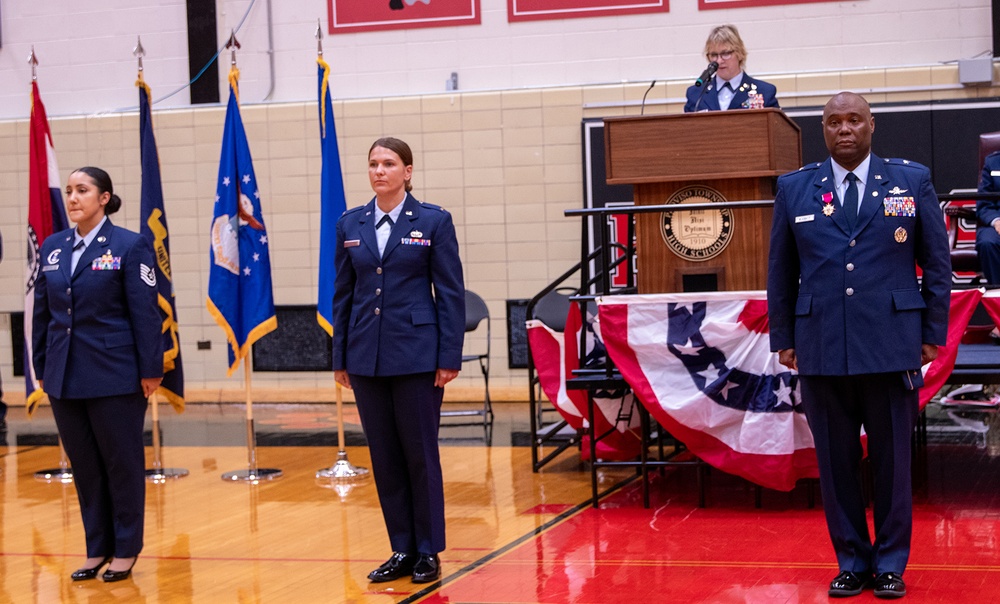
x=416, y=234
x=900, y=235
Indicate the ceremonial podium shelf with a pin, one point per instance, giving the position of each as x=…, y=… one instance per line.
x=592, y=380
x=711, y=157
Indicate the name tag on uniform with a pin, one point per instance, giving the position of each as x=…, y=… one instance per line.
x=995, y=173
x=415, y=241
x=50, y=267
x=352, y=243
x=805, y=218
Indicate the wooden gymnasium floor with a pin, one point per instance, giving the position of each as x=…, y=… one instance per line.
x=513, y=536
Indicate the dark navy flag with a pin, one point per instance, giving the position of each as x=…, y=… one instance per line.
x=154, y=228
x=46, y=215
x=332, y=200
x=239, y=280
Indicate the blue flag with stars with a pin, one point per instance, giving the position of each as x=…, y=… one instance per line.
x=333, y=203
x=239, y=280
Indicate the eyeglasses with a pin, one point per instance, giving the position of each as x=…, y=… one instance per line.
x=715, y=56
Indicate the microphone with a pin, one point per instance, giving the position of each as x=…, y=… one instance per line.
x=707, y=74
x=642, y=108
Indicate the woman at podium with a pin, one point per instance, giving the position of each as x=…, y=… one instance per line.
x=724, y=85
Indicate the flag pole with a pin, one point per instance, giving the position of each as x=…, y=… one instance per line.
x=63, y=473
x=342, y=472
x=157, y=473
x=252, y=474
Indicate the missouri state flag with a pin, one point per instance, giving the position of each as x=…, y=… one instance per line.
x=46, y=215
x=239, y=281
x=332, y=200
x=153, y=227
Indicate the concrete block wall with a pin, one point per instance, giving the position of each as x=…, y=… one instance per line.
x=506, y=164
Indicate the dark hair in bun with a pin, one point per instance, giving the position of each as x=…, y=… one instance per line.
x=103, y=183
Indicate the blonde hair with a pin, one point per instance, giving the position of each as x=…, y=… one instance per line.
x=727, y=35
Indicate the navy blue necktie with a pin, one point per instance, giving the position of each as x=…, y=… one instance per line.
x=851, y=200
x=385, y=218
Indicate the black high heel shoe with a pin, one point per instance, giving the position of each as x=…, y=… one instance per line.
x=110, y=576
x=85, y=574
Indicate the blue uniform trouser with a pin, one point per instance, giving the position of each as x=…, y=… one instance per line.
x=988, y=248
x=103, y=440
x=401, y=416
x=837, y=407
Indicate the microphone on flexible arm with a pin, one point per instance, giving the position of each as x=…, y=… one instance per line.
x=704, y=77
x=642, y=108
x=707, y=74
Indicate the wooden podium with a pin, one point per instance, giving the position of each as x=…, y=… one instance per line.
x=715, y=156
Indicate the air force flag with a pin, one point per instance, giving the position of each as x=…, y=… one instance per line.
x=239, y=281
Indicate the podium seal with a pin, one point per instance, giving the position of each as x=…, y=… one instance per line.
x=697, y=235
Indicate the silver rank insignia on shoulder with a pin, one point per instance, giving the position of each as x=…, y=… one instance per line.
x=102, y=239
x=900, y=235
x=878, y=177
x=409, y=212
x=897, y=191
x=416, y=234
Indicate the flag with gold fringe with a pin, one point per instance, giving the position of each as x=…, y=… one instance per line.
x=239, y=280
x=153, y=227
x=46, y=215
x=333, y=203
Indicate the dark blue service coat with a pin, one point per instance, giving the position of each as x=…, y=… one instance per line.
x=849, y=303
x=741, y=98
x=96, y=332
x=988, y=210
x=388, y=319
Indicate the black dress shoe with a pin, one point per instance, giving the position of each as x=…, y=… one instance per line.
x=848, y=583
x=889, y=585
x=85, y=574
x=396, y=567
x=110, y=576
x=427, y=569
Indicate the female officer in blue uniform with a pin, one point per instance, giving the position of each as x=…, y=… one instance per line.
x=96, y=332
x=399, y=323
x=732, y=87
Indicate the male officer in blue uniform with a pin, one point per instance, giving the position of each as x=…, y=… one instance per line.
x=847, y=311
x=731, y=87
x=988, y=217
